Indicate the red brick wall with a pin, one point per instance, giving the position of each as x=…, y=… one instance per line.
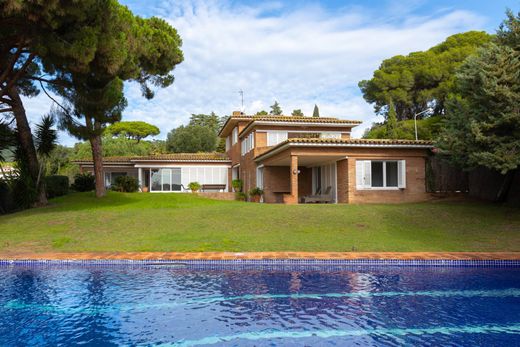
x=342, y=180
x=415, y=184
x=276, y=179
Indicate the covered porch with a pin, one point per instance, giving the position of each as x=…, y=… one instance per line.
x=293, y=177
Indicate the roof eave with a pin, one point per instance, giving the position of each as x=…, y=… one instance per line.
x=285, y=145
x=310, y=124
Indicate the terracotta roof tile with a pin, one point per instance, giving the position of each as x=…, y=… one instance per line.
x=293, y=119
x=165, y=157
x=287, y=119
x=346, y=142
x=185, y=157
x=361, y=141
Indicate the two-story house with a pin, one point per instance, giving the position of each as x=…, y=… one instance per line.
x=294, y=160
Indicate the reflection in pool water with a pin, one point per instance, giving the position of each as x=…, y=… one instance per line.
x=259, y=306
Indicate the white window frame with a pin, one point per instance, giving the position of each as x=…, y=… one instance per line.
x=248, y=143
x=235, y=135
x=260, y=176
x=228, y=143
x=364, y=173
x=276, y=137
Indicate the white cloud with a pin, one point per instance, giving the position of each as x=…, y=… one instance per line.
x=299, y=57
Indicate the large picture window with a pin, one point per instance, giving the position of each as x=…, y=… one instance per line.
x=166, y=180
x=110, y=178
x=380, y=174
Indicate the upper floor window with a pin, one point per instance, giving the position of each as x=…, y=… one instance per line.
x=228, y=143
x=235, y=135
x=276, y=137
x=248, y=143
x=380, y=174
x=327, y=135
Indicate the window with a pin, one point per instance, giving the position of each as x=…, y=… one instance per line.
x=307, y=135
x=260, y=177
x=380, y=174
x=276, y=137
x=330, y=135
x=228, y=143
x=166, y=180
x=248, y=143
x=110, y=178
x=235, y=135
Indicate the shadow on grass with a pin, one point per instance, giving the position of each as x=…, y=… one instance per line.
x=115, y=201
x=77, y=202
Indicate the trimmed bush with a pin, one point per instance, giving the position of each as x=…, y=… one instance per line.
x=127, y=184
x=84, y=182
x=56, y=186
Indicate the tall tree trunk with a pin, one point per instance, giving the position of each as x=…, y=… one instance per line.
x=505, y=187
x=27, y=144
x=97, y=156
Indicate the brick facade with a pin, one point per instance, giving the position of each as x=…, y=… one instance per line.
x=295, y=167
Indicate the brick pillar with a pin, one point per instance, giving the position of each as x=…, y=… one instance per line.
x=294, y=180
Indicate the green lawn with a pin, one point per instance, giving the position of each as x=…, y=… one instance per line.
x=184, y=222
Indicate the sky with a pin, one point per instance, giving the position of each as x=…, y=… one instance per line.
x=299, y=53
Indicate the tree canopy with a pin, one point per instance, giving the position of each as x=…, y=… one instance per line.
x=276, y=110
x=200, y=135
x=316, y=111
x=136, y=130
x=420, y=79
x=297, y=113
x=129, y=48
x=483, y=119
x=191, y=139
x=36, y=38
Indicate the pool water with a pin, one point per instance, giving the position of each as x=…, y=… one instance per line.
x=255, y=306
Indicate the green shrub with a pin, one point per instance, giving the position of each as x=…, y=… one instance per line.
x=240, y=196
x=256, y=192
x=84, y=182
x=127, y=184
x=237, y=185
x=56, y=186
x=6, y=198
x=194, y=186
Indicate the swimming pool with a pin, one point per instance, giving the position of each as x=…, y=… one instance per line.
x=259, y=306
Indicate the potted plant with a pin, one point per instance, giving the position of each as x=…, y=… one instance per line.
x=144, y=189
x=194, y=186
x=255, y=194
x=237, y=185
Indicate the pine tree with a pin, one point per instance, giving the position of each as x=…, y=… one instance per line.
x=391, y=121
x=276, y=110
x=483, y=123
x=297, y=113
x=316, y=111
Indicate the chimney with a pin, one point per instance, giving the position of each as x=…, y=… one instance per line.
x=237, y=113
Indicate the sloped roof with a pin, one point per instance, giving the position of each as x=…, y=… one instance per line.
x=213, y=156
x=360, y=141
x=216, y=157
x=287, y=119
x=346, y=143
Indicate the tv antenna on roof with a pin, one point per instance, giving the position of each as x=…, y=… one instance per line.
x=241, y=92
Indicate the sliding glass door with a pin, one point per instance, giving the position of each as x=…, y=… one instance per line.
x=165, y=180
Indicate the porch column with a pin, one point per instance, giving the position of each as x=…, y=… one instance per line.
x=294, y=180
x=140, y=178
